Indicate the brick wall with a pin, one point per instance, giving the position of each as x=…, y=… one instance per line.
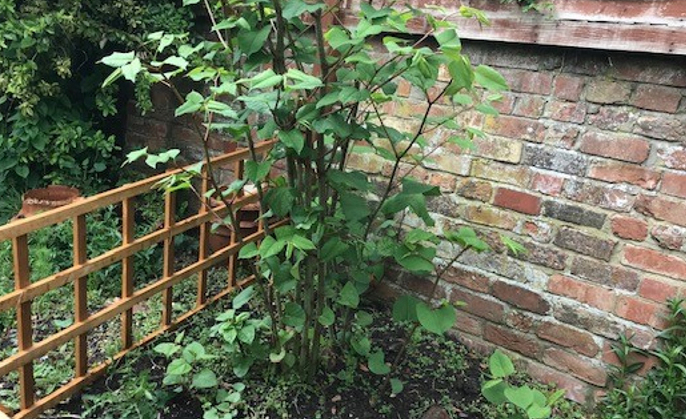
x=586, y=167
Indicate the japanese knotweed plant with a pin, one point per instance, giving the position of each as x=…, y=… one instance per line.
x=289, y=70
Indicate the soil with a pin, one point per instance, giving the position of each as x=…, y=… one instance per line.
x=438, y=373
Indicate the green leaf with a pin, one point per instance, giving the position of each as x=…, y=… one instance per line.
x=205, y=379
x=333, y=248
x=466, y=237
x=293, y=139
x=248, y=251
x=193, y=103
x=243, y=297
x=354, y=206
x=439, y=320
x=178, y=367
x=520, y=396
x=256, y=171
x=250, y=41
x=266, y=79
x=500, y=365
x=405, y=309
x=118, y=59
x=538, y=412
x=396, y=386
x=167, y=349
x=514, y=247
x=280, y=200
x=189, y=2
x=361, y=345
x=22, y=171
x=293, y=315
x=377, y=363
x=490, y=78
x=302, y=243
x=416, y=264
x=349, y=296
x=494, y=391
x=247, y=334
x=271, y=247
x=328, y=317
x=277, y=357
x=302, y=81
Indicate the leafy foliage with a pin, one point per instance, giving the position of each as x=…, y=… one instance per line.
x=663, y=392
x=320, y=92
x=54, y=125
x=528, y=403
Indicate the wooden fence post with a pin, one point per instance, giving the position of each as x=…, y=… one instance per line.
x=20, y=250
x=128, y=217
x=80, y=295
x=168, y=267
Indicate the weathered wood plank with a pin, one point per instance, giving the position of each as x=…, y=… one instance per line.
x=168, y=254
x=127, y=286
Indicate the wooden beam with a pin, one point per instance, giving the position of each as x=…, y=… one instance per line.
x=114, y=196
x=127, y=286
x=80, y=295
x=22, y=278
x=204, y=236
x=168, y=255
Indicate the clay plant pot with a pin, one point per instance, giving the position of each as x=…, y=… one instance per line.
x=36, y=201
x=247, y=218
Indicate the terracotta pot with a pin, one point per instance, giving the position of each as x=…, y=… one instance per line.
x=36, y=201
x=247, y=219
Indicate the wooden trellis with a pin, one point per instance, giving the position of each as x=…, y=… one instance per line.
x=26, y=290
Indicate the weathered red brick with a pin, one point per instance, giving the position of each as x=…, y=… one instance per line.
x=593, y=295
x=661, y=126
x=607, y=91
x=674, y=184
x=628, y=227
x=617, y=146
x=657, y=290
x=657, y=98
x=567, y=111
x=421, y=285
x=597, y=247
x=574, y=389
x=598, y=194
x=547, y=184
x=445, y=181
x=673, y=157
x=529, y=106
x=568, y=87
x=520, y=320
x=540, y=231
x=640, y=311
x=544, y=255
x=605, y=274
x=475, y=189
x=482, y=214
x=562, y=161
x=568, y=337
x=505, y=105
x=470, y=324
x=614, y=118
x=562, y=135
x=655, y=261
x=526, y=345
x=524, y=81
x=662, y=209
x=669, y=236
x=624, y=173
x=516, y=128
x=576, y=365
x=467, y=279
x=519, y=201
x=520, y=297
x=479, y=306
x=500, y=172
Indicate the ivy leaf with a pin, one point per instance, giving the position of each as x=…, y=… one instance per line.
x=135, y=155
x=193, y=103
x=131, y=70
x=377, y=363
x=437, y=321
x=490, y=79
x=405, y=309
x=500, y=365
x=205, y=379
x=349, y=296
x=250, y=41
